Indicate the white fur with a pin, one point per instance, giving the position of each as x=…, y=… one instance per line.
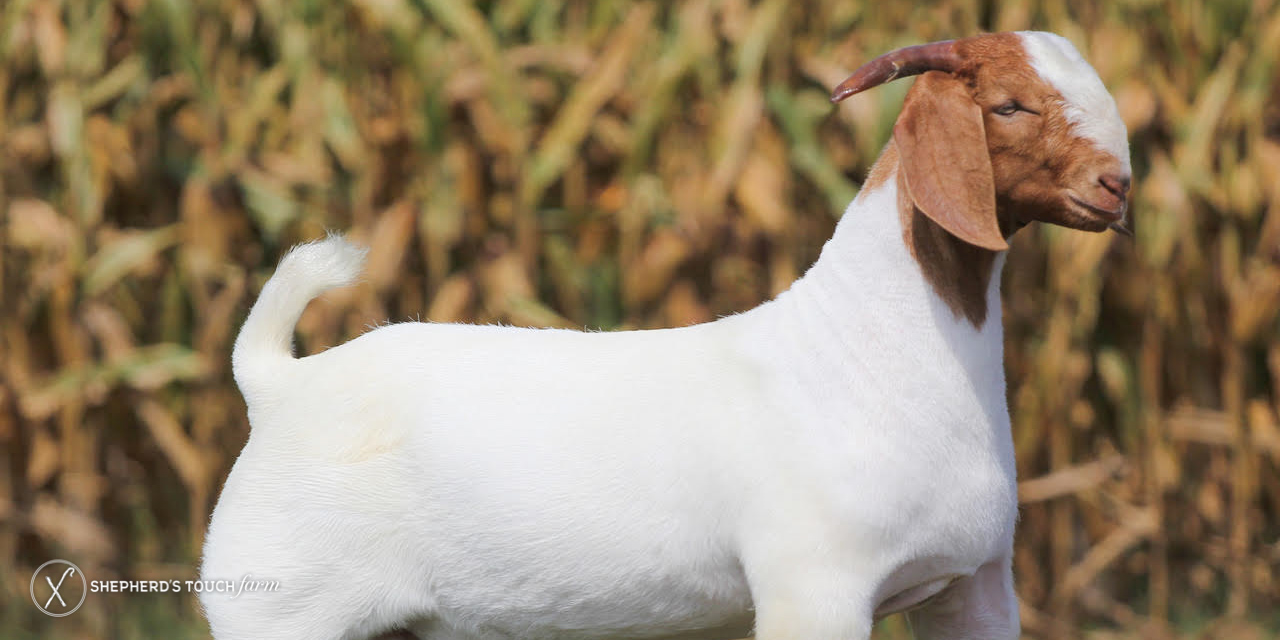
x=265, y=342
x=817, y=456
x=838, y=454
x=1088, y=104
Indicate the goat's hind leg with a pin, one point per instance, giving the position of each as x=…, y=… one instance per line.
x=982, y=606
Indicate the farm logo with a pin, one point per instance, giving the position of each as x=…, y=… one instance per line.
x=58, y=588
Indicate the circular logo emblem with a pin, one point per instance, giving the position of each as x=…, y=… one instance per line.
x=58, y=588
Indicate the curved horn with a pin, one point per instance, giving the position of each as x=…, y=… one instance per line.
x=907, y=61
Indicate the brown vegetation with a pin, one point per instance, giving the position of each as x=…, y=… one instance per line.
x=611, y=165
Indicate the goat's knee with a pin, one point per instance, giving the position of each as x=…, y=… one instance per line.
x=982, y=606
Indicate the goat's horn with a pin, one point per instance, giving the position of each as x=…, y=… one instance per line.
x=907, y=61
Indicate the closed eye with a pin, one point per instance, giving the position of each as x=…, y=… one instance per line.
x=1011, y=107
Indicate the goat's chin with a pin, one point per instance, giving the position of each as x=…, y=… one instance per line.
x=1075, y=213
x=1084, y=222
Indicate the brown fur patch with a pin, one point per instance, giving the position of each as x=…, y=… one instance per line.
x=958, y=272
x=945, y=165
x=1036, y=160
x=995, y=55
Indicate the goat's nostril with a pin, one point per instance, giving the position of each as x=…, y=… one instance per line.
x=1115, y=183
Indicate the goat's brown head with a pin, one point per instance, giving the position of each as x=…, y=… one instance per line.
x=1002, y=130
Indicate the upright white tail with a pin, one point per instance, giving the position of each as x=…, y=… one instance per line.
x=265, y=342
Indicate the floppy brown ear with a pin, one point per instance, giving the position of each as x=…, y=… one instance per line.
x=942, y=145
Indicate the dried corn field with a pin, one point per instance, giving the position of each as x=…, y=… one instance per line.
x=614, y=165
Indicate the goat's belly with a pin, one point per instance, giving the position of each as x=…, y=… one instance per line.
x=582, y=552
x=642, y=625
x=518, y=604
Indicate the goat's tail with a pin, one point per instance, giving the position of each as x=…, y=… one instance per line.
x=265, y=342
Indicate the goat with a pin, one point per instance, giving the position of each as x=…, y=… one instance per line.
x=836, y=455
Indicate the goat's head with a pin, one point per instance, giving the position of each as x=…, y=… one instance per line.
x=1002, y=130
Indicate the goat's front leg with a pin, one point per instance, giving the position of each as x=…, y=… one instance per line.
x=803, y=601
x=982, y=606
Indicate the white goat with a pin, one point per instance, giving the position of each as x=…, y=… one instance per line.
x=831, y=457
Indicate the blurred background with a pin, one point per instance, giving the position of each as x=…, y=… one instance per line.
x=614, y=165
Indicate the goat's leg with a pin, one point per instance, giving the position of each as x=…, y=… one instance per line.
x=816, y=619
x=811, y=604
x=979, y=607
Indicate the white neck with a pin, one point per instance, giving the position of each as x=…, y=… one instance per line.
x=865, y=310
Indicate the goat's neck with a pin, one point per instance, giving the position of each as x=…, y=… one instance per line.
x=893, y=290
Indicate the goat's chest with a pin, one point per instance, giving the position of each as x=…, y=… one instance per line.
x=954, y=499
x=926, y=482
x=942, y=511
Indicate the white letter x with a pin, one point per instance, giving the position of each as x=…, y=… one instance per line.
x=69, y=570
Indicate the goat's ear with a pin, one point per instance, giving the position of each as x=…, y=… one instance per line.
x=942, y=145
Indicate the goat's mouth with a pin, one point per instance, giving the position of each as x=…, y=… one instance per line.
x=1109, y=216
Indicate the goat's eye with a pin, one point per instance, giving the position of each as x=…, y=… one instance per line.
x=1009, y=108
